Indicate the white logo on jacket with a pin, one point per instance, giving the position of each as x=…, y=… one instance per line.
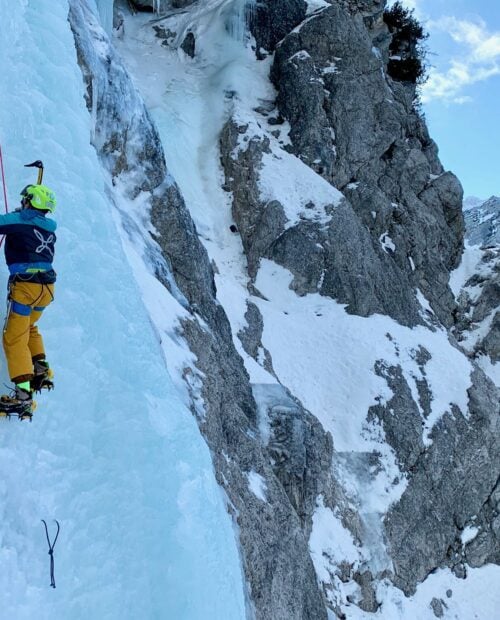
x=44, y=243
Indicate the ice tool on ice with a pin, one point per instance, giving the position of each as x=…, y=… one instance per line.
x=37, y=164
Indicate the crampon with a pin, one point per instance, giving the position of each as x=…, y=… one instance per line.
x=11, y=408
x=42, y=380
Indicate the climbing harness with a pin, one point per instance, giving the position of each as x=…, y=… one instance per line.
x=51, y=551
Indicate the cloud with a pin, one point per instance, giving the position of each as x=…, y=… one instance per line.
x=413, y=5
x=477, y=60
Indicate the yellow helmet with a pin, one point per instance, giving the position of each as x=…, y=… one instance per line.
x=40, y=197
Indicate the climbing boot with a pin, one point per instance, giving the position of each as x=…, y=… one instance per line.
x=42, y=377
x=19, y=402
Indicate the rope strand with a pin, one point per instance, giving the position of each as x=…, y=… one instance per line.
x=3, y=182
x=4, y=190
x=51, y=551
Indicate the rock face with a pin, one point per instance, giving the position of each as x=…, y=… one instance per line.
x=271, y=20
x=398, y=227
x=478, y=321
x=483, y=223
x=456, y=471
x=189, y=44
x=152, y=5
x=143, y=5
x=358, y=129
x=282, y=584
x=338, y=259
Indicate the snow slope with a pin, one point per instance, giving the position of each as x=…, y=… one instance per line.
x=112, y=453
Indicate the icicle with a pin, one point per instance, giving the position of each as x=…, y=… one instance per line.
x=105, y=8
x=238, y=17
x=250, y=12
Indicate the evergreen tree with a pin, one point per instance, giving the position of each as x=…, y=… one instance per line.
x=407, y=52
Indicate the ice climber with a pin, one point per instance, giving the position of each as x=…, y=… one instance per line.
x=29, y=251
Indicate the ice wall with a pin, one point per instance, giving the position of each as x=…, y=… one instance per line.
x=112, y=453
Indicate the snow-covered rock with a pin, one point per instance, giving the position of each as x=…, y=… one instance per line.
x=482, y=222
x=360, y=130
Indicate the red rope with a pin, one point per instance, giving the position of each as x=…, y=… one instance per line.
x=4, y=189
x=3, y=182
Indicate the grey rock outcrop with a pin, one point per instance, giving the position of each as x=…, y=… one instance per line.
x=451, y=482
x=298, y=449
x=479, y=313
x=271, y=20
x=358, y=129
x=143, y=5
x=150, y=5
x=339, y=259
x=282, y=582
x=189, y=44
x=482, y=223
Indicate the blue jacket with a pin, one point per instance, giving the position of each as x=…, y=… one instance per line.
x=29, y=245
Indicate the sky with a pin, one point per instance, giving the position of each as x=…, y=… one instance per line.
x=461, y=96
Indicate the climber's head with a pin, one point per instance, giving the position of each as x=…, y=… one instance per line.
x=38, y=197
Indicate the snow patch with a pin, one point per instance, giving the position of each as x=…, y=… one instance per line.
x=313, y=336
x=301, y=55
x=331, y=67
x=490, y=368
x=257, y=484
x=469, y=264
x=424, y=303
x=330, y=542
x=468, y=534
x=316, y=5
x=293, y=184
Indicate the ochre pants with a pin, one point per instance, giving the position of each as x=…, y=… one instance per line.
x=22, y=342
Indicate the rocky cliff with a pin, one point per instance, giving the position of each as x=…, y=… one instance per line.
x=478, y=325
x=482, y=222
x=333, y=395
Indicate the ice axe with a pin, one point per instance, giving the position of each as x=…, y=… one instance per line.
x=37, y=164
